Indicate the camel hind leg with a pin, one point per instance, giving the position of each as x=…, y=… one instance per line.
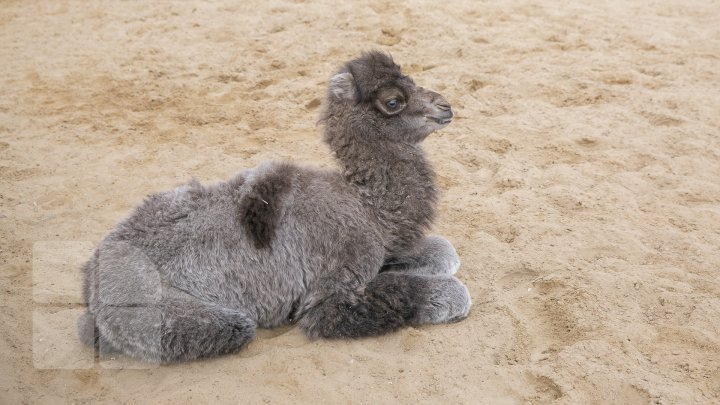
x=174, y=329
x=133, y=311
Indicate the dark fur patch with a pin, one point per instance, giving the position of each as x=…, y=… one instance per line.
x=388, y=302
x=260, y=208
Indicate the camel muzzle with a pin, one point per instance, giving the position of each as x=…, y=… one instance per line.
x=437, y=108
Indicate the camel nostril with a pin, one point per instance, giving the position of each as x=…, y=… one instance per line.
x=443, y=106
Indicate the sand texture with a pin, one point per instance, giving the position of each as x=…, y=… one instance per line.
x=580, y=185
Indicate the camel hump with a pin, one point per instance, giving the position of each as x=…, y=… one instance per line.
x=261, y=206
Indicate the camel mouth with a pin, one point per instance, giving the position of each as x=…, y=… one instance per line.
x=440, y=121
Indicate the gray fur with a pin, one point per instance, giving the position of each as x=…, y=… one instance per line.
x=433, y=255
x=193, y=271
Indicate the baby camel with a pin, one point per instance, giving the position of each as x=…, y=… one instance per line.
x=193, y=271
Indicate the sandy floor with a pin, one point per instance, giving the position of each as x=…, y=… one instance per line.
x=580, y=185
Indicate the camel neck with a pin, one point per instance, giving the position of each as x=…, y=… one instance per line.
x=396, y=183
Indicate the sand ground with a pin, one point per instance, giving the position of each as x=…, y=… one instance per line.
x=580, y=184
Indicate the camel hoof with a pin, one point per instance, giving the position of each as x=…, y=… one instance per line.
x=448, y=301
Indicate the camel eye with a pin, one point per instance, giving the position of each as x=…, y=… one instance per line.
x=390, y=104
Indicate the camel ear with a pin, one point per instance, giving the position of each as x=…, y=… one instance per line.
x=342, y=86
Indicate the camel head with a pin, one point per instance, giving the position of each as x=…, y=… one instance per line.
x=372, y=100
